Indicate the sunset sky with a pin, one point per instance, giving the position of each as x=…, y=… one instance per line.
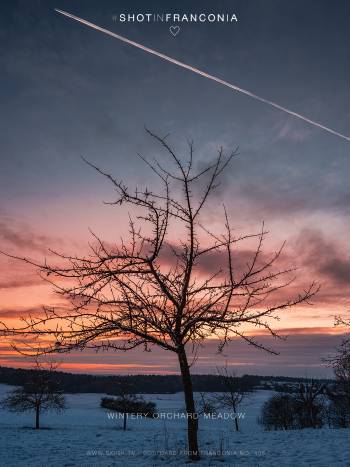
x=68, y=91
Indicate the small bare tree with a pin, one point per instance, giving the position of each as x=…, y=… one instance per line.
x=309, y=404
x=127, y=402
x=152, y=290
x=205, y=405
x=233, y=392
x=38, y=394
x=126, y=397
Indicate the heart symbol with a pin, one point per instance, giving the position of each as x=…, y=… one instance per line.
x=174, y=30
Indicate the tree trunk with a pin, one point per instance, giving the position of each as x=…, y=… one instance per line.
x=236, y=420
x=234, y=408
x=37, y=417
x=236, y=423
x=192, y=416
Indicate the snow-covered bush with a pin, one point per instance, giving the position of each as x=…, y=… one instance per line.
x=304, y=409
x=278, y=413
x=130, y=404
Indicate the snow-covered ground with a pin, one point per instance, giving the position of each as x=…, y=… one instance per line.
x=84, y=436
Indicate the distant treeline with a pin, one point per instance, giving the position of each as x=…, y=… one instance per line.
x=289, y=379
x=141, y=384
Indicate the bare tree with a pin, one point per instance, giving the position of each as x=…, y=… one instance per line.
x=233, y=392
x=339, y=392
x=278, y=413
x=303, y=409
x=126, y=396
x=205, y=405
x=151, y=291
x=340, y=362
x=309, y=404
x=41, y=392
x=341, y=320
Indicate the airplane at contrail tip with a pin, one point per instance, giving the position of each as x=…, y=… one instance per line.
x=203, y=73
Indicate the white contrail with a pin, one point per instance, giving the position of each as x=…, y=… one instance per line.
x=202, y=73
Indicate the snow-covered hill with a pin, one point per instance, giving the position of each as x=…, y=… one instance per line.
x=85, y=436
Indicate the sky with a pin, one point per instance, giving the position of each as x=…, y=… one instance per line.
x=68, y=91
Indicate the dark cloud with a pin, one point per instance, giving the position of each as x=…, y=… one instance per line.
x=212, y=262
x=7, y=313
x=301, y=354
x=22, y=237
x=338, y=269
x=15, y=282
x=274, y=180
x=324, y=256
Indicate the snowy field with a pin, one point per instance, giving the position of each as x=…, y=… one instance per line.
x=84, y=436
